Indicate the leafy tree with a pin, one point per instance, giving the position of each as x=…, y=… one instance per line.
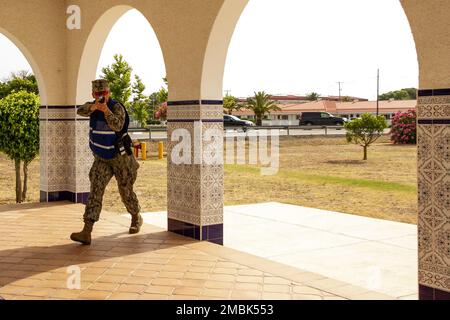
x=140, y=105
x=313, y=96
x=261, y=104
x=153, y=103
x=22, y=80
x=142, y=108
x=412, y=93
x=19, y=134
x=119, y=78
x=230, y=104
x=138, y=88
x=403, y=94
x=162, y=96
x=365, y=130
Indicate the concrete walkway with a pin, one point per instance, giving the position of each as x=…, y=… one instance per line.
x=375, y=254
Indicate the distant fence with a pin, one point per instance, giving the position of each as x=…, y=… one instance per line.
x=287, y=129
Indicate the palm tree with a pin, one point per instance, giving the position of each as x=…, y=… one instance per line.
x=261, y=104
x=230, y=104
x=313, y=96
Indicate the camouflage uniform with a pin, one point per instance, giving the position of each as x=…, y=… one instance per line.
x=123, y=167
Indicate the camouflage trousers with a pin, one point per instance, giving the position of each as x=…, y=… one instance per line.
x=124, y=169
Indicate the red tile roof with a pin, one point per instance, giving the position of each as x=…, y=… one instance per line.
x=340, y=107
x=336, y=98
x=367, y=106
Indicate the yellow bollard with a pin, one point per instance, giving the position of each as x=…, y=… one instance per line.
x=144, y=150
x=160, y=150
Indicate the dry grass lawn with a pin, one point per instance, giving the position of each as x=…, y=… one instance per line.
x=314, y=172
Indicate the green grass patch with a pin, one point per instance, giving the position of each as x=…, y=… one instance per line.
x=326, y=179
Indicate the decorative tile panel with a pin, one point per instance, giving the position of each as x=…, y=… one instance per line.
x=212, y=182
x=43, y=155
x=433, y=107
x=59, y=151
x=195, y=112
x=65, y=156
x=195, y=189
x=433, y=132
x=83, y=158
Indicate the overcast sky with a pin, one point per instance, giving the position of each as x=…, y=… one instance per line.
x=284, y=47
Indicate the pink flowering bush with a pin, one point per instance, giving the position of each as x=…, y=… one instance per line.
x=161, y=113
x=403, y=128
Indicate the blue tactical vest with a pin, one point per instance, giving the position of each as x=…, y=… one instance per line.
x=103, y=140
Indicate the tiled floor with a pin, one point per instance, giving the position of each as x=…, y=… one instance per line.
x=37, y=261
x=378, y=255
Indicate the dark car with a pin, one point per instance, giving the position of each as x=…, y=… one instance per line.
x=320, y=119
x=233, y=121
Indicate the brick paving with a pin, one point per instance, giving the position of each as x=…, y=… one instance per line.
x=37, y=258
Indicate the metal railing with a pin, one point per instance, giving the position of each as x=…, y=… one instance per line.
x=287, y=128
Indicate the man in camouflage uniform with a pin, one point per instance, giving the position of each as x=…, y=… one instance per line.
x=109, y=118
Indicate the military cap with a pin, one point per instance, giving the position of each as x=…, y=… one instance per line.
x=100, y=85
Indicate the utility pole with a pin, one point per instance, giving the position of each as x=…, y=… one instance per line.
x=227, y=92
x=378, y=91
x=339, y=83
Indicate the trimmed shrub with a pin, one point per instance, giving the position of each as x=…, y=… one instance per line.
x=161, y=113
x=403, y=130
x=19, y=134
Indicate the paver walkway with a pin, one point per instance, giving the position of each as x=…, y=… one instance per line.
x=36, y=256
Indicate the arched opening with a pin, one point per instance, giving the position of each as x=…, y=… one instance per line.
x=277, y=61
x=148, y=62
x=19, y=71
x=92, y=51
x=331, y=42
x=125, y=31
x=23, y=60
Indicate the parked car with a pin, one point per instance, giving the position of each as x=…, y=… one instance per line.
x=320, y=119
x=233, y=121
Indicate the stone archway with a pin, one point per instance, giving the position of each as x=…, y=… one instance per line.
x=194, y=37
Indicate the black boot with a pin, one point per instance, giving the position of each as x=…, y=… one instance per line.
x=136, y=223
x=85, y=235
